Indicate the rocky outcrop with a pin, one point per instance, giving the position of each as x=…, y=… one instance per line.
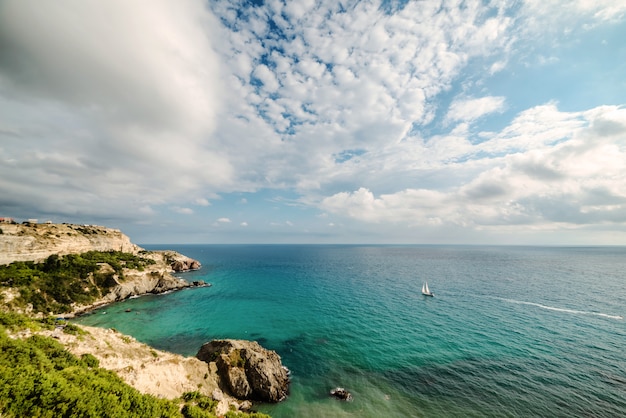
x=247, y=370
x=156, y=278
x=341, y=393
x=176, y=261
x=185, y=265
x=36, y=242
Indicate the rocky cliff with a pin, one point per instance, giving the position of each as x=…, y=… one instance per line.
x=36, y=242
x=247, y=370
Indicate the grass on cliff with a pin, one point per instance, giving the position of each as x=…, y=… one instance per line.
x=40, y=378
x=53, y=285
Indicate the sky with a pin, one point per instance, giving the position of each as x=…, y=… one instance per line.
x=313, y=121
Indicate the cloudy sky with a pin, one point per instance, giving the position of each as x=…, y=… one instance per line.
x=314, y=121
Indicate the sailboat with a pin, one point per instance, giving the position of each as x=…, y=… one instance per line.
x=426, y=291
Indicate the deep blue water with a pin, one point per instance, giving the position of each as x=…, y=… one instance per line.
x=511, y=331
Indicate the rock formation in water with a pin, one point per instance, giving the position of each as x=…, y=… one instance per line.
x=247, y=370
x=341, y=393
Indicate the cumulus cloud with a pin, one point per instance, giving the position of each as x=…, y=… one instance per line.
x=578, y=181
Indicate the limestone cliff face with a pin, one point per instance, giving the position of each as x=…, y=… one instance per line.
x=36, y=242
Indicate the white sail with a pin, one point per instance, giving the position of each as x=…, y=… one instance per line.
x=426, y=290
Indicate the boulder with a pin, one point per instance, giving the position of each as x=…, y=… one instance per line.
x=247, y=370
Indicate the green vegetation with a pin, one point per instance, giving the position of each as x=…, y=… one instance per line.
x=39, y=378
x=53, y=285
x=236, y=360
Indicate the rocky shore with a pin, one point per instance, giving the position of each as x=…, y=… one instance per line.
x=156, y=278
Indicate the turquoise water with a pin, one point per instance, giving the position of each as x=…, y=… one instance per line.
x=511, y=331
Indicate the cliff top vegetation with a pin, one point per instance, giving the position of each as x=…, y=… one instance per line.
x=54, y=285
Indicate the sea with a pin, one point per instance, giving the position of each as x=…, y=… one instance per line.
x=511, y=331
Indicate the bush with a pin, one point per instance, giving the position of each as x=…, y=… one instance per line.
x=90, y=360
x=193, y=411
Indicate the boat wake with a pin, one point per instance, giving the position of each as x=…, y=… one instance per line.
x=571, y=311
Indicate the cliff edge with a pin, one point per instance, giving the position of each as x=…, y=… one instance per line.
x=36, y=242
x=151, y=273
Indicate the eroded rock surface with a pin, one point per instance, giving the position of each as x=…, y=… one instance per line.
x=36, y=242
x=247, y=370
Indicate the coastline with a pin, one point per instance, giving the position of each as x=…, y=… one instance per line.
x=87, y=309
x=157, y=279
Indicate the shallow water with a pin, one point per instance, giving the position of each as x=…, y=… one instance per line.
x=511, y=331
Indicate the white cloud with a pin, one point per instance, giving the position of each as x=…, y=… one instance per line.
x=361, y=79
x=201, y=201
x=599, y=11
x=266, y=76
x=183, y=211
x=224, y=220
x=463, y=109
x=580, y=180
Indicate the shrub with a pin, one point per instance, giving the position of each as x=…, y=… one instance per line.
x=90, y=360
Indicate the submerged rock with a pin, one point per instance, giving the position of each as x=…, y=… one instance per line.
x=341, y=393
x=247, y=370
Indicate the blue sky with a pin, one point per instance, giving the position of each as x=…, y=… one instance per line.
x=444, y=122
